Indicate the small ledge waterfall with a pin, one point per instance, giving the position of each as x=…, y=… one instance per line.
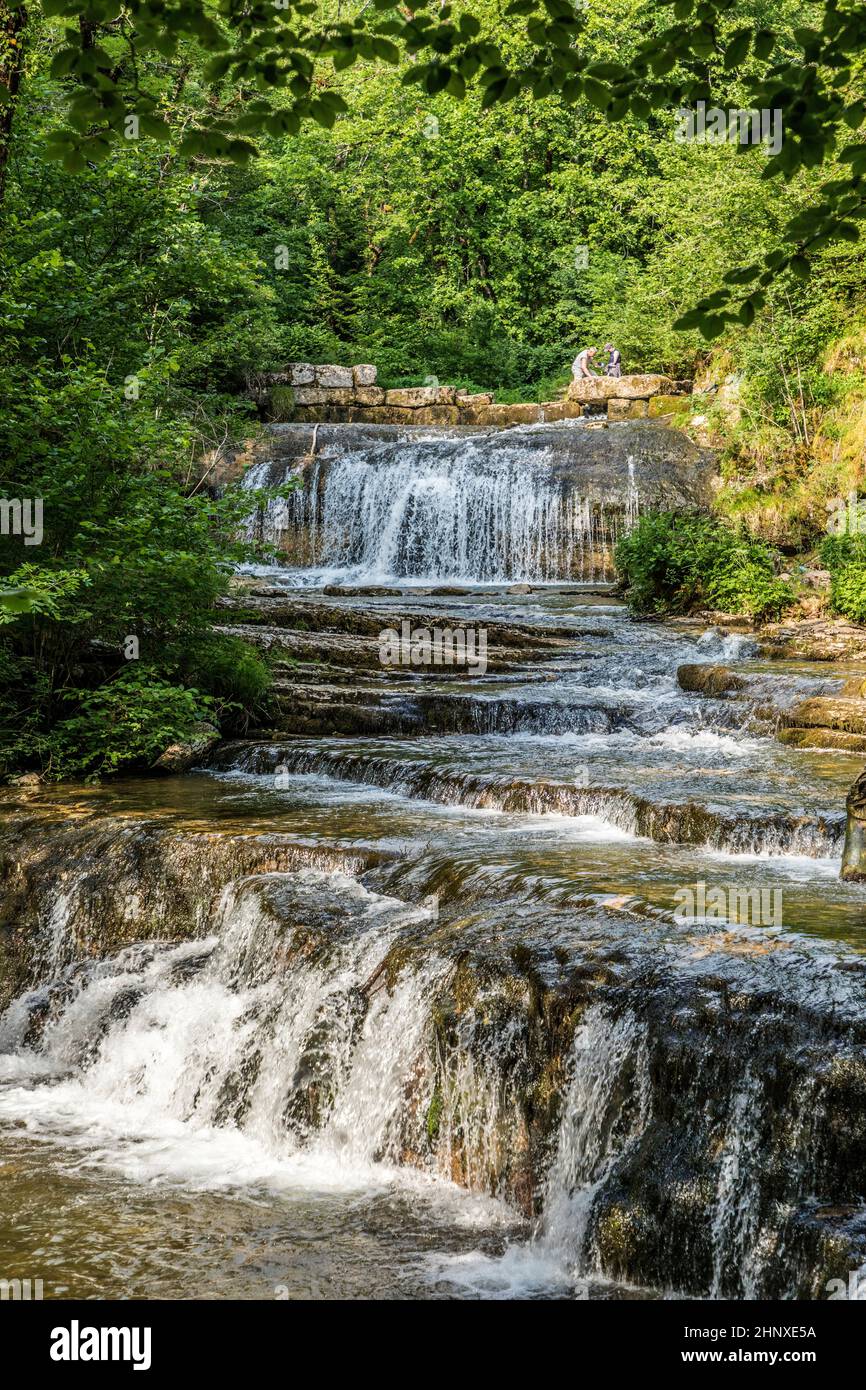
x=528, y=505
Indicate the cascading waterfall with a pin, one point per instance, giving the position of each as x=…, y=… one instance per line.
x=606, y=1108
x=313, y=1037
x=267, y=1028
x=443, y=975
x=444, y=509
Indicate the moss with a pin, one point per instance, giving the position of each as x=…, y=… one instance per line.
x=465, y=987
x=616, y=1236
x=434, y=1115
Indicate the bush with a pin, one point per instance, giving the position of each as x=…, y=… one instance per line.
x=845, y=558
x=673, y=562
x=126, y=723
x=230, y=670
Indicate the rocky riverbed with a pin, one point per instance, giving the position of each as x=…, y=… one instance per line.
x=340, y=977
x=535, y=980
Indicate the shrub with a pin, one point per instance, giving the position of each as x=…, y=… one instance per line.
x=126, y=723
x=672, y=562
x=233, y=672
x=845, y=558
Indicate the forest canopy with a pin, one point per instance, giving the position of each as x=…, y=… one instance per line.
x=196, y=194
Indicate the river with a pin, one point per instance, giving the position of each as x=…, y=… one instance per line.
x=416, y=1016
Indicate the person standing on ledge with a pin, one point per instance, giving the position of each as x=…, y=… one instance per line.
x=580, y=366
x=614, y=361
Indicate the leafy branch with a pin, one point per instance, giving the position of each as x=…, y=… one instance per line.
x=270, y=50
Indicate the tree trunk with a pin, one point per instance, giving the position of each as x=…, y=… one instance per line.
x=13, y=21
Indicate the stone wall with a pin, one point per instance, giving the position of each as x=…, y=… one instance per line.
x=337, y=395
x=631, y=397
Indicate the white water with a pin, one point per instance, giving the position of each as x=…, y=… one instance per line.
x=446, y=512
x=184, y=1072
x=605, y=1109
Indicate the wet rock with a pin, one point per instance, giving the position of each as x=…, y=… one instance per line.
x=710, y=1106
x=825, y=712
x=120, y=879
x=665, y=822
x=708, y=678
x=180, y=757
x=819, y=738
x=813, y=639
x=854, y=852
x=359, y=591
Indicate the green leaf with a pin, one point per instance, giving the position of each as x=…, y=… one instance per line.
x=738, y=49
x=691, y=319
x=596, y=93
x=607, y=72
x=765, y=42
x=17, y=600
x=743, y=276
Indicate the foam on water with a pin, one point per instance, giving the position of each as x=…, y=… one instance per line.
x=428, y=511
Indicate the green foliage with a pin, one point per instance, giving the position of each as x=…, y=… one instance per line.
x=672, y=562
x=129, y=550
x=229, y=669
x=127, y=722
x=848, y=590
x=845, y=557
x=284, y=65
x=385, y=221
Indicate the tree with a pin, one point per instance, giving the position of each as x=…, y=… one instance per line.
x=271, y=65
x=13, y=21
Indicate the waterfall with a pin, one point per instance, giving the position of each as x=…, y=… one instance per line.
x=270, y=1031
x=438, y=509
x=606, y=1109
x=320, y=1040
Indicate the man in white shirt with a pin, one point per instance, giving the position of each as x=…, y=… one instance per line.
x=580, y=366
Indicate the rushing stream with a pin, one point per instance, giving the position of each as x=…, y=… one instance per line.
x=417, y=1017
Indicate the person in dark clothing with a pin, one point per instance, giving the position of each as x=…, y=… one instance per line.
x=613, y=366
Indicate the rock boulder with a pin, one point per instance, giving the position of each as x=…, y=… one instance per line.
x=589, y=390
x=335, y=377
